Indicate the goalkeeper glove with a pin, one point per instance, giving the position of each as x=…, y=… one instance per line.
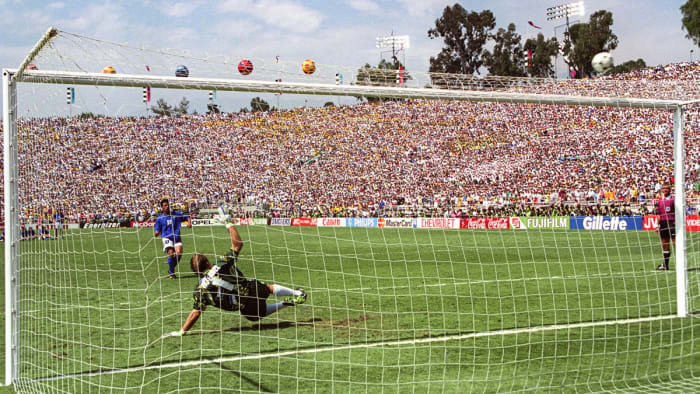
x=221, y=219
x=173, y=334
x=230, y=257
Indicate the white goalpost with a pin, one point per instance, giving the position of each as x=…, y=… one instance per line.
x=455, y=280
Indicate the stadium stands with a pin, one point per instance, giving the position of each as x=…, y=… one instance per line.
x=433, y=158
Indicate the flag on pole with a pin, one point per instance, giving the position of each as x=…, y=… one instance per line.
x=278, y=80
x=70, y=96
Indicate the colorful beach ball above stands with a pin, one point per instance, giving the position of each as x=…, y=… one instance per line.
x=308, y=67
x=245, y=67
x=31, y=66
x=182, y=71
x=109, y=70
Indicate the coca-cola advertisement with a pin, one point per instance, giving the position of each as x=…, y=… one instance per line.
x=500, y=223
x=497, y=223
x=473, y=223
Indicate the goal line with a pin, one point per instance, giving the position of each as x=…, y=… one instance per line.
x=483, y=334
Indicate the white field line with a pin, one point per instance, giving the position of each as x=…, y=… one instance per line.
x=356, y=346
x=482, y=281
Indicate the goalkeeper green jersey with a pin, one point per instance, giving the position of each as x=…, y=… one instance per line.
x=221, y=287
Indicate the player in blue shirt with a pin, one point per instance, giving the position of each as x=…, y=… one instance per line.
x=58, y=218
x=168, y=228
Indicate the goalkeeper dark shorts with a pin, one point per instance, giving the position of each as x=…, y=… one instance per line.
x=667, y=229
x=254, y=304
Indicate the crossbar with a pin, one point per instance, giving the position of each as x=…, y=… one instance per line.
x=169, y=82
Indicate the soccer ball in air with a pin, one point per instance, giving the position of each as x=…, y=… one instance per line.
x=602, y=62
x=182, y=71
x=245, y=67
x=308, y=67
x=109, y=70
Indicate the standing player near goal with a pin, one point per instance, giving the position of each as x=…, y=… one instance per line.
x=58, y=218
x=168, y=228
x=225, y=287
x=667, y=223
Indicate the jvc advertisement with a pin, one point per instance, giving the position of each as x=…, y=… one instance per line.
x=608, y=223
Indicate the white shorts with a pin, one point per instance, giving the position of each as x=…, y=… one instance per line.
x=168, y=243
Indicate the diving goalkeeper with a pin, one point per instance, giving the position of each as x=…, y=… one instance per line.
x=225, y=287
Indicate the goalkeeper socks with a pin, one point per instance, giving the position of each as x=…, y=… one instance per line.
x=272, y=308
x=282, y=291
x=667, y=256
x=172, y=262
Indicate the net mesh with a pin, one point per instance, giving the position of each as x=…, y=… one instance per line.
x=444, y=245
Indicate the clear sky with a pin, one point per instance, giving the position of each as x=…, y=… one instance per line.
x=340, y=32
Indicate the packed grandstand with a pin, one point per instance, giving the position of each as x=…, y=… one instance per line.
x=395, y=158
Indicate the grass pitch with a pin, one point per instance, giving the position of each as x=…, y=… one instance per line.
x=395, y=310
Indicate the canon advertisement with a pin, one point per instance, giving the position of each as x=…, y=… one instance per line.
x=330, y=222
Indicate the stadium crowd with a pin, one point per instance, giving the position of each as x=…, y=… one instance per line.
x=397, y=158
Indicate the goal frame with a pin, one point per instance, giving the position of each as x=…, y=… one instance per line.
x=11, y=77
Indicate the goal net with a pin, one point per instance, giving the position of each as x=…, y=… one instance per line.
x=452, y=233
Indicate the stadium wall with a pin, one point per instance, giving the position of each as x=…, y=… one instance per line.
x=605, y=223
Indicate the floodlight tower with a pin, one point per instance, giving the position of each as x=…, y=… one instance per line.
x=564, y=11
x=397, y=44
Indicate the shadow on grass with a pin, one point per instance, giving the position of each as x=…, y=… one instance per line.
x=258, y=386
